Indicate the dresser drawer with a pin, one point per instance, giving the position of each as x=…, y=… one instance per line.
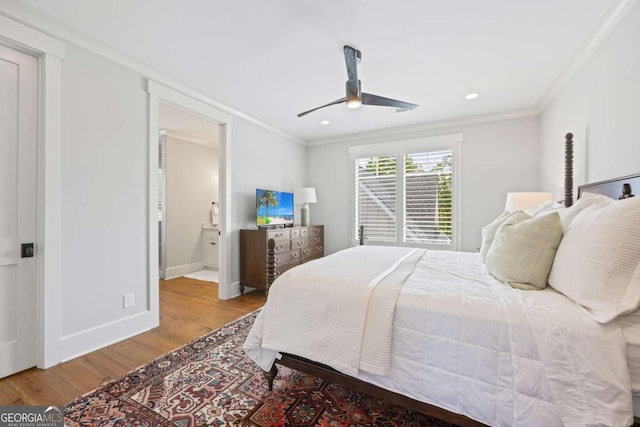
x=312, y=251
x=279, y=234
x=316, y=240
x=295, y=233
x=299, y=243
x=315, y=231
x=282, y=245
x=284, y=257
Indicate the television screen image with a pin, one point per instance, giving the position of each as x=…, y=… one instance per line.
x=274, y=207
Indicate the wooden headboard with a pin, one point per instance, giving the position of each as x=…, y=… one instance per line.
x=616, y=188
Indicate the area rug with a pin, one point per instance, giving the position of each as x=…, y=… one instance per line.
x=304, y=400
x=210, y=382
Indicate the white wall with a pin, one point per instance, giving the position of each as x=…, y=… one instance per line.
x=104, y=194
x=265, y=160
x=104, y=197
x=601, y=106
x=192, y=184
x=497, y=157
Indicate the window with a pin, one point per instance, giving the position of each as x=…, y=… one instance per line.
x=427, y=197
x=405, y=193
x=376, y=197
x=162, y=191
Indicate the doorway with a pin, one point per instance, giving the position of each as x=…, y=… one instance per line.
x=203, y=108
x=188, y=196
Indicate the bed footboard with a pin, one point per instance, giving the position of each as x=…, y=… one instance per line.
x=325, y=372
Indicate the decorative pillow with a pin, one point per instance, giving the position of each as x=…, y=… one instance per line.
x=586, y=199
x=598, y=261
x=522, y=252
x=489, y=230
x=544, y=208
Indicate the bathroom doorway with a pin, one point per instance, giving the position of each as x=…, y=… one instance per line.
x=188, y=195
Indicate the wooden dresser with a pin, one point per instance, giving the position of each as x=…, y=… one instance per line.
x=294, y=246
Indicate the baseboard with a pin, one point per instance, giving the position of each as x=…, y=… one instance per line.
x=83, y=342
x=181, y=270
x=235, y=290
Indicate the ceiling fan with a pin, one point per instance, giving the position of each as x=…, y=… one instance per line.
x=355, y=97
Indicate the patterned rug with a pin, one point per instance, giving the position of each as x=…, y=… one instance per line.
x=210, y=382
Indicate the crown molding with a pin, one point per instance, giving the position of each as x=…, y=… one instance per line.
x=410, y=130
x=582, y=55
x=59, y=30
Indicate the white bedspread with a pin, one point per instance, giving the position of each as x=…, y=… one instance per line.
x=470, y=344
x=343, y=303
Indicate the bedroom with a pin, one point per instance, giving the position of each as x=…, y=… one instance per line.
x=597, y=103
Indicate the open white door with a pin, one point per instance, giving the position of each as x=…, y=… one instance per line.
x=18, y=166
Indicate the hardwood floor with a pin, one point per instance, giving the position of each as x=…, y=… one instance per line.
x=188, y=309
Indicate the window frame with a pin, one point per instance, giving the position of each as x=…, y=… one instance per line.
x=398, y=149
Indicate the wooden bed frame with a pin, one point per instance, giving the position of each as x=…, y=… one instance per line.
x=614, y=188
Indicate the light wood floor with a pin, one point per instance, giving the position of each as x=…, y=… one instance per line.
x=188, y=309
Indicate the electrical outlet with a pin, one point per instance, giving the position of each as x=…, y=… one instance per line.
x=128, y=300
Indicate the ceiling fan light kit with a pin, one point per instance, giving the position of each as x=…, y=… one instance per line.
x=354, y=96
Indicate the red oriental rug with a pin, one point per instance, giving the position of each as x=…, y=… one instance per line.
x=210, y=382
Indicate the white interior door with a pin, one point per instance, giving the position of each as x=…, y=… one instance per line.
x=18, y=158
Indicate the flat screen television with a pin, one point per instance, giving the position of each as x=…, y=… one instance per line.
x=274, y=208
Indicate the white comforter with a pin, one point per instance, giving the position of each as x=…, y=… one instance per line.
x=468, y=343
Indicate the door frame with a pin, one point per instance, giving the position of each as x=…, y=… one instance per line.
x=159, y=93
x=50, y=52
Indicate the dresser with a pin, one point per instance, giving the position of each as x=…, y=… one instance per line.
x=293, y=246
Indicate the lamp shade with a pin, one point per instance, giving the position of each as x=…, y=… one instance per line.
x=525, y=200
x=304, y=195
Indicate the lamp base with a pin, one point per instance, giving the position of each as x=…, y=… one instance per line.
x=304, y=214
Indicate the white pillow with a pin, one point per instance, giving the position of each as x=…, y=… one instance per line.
x=598, y=261
x=586, y=199
x=489, y=230
x=544, y=208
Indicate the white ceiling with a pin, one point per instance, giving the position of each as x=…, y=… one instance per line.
x=274, y=59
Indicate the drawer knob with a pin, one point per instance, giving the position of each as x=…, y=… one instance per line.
x=305, y=252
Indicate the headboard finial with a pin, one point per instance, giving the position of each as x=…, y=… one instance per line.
x=568, y=169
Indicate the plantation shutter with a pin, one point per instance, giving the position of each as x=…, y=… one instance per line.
x=407, y=192
x=161, y=195
x=375, y=194
x=428, y=202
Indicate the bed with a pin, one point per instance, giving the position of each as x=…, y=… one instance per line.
x=480, y=353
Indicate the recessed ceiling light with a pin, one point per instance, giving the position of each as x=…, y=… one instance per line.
x=325, y=122
x=472, y=95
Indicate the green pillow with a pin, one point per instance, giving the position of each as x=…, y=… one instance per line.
x=489, y=230
x=522, y=251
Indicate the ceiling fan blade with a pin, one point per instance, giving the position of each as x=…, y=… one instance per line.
x=370, y=99
x=337, y=101
x=352, y=57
